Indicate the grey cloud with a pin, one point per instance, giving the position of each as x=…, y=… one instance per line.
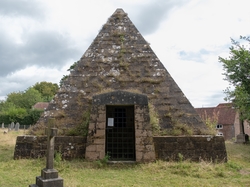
x=216, y=99
x=50, y=49
x=194, y=56
x=8, y=54
x=150, y=16
x=21, y=8
x=44, y=49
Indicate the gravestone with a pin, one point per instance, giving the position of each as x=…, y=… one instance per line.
x=2, y=125
x=9, y=127
x=242, y=137
x=12, y=125
x=49, y=176
x=17, y=126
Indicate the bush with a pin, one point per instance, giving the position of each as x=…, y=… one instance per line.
x=30, y=118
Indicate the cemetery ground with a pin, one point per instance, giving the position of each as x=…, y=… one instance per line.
x=80, y=173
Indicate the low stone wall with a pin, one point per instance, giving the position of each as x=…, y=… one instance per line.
x=36, y=146
x=168, y=148
x=194, y=148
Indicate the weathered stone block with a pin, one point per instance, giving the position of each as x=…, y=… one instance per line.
x=150, y=148
x=91, y=148
x=101, y=117
x=92, y=155
x=148, y=156
x=101, y=125
x=139, y=156
x=192, y=148
x=100, y=133
x=58, y=182
x=100, y=141
x=100, y=148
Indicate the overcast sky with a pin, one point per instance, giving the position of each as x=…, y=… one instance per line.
x=40, y=39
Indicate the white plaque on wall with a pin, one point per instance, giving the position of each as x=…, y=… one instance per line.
x=110, y=122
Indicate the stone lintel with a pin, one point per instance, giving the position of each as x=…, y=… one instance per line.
x=120, y=98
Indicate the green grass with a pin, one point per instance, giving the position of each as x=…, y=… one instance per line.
x=78, y=173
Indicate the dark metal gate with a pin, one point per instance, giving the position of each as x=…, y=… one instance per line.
x=120, y=133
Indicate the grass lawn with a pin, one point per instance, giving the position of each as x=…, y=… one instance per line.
x=79, y=173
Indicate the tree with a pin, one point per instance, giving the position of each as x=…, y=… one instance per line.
x=237, y=72
x=30, y=97
x=15, y=114
x=47, y=90
x=14, y=98
x=18, y=105
x=24, y=99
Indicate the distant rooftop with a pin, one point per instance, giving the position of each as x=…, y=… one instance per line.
x=41, y=105
x=223, y=111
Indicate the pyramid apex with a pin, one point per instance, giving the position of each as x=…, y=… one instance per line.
x=119, y=11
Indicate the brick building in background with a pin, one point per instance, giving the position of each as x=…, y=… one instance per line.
x=227, y=119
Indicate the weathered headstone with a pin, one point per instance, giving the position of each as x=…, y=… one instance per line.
x=49, y=176
x=17, y=126
x=241, y=137
x=9, y=127
x=2, y=125
x=12, y=125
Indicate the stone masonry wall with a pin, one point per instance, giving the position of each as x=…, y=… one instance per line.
x=36, y=146
x=194, y=148
x=119, y=58
x=144, y=146
x=95, y=148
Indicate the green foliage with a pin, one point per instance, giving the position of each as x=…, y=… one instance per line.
x=18, y=105
x=211, y=123
x=103, y=162
x=181, y=157
x=180, y=129
x=24, y=99
x=58, y=157
x=72, y=66
x=63, y=79
x=22, y=116
x=30, y=97
x=159, y=173
x=237, y=73
x=82, y=128
x=4, y=106
x=233, y=165
x=32, y=117
x=16, y=113
x=46, y=89
x=154, y=120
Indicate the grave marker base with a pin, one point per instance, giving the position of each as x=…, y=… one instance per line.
x=48, y=178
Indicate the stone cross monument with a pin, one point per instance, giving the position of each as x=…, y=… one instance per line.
x=49, y=175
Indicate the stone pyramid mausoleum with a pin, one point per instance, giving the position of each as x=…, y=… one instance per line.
x=117, y=94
